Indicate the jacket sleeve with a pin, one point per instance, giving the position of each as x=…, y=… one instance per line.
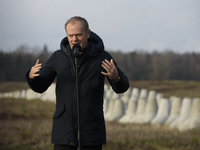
x=120, y=86
x=47, y=75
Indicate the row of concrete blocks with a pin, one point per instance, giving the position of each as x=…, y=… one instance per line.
x=136, y=106
x=29, y=94
x=143, y=106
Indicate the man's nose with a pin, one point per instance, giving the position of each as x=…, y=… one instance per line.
x=75, y=38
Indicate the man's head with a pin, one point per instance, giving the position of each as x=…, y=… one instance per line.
x=78, y=32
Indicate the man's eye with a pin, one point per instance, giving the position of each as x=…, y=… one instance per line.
x=79, y=35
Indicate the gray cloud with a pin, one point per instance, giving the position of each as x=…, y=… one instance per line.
x=123, y=25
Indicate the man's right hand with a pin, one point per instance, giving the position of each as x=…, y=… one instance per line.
x=35, y=69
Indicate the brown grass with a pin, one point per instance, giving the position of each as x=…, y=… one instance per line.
x=22, y=109
x=25, y=124
x=25, y=134
x=147, y=137
x=35, y=134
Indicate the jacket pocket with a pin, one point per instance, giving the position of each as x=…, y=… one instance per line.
x=59, y=110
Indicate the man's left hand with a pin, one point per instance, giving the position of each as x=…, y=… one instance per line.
x=112, y=72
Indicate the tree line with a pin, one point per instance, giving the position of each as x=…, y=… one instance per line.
x=137, y=65
x=167, y=65
x=14, y=65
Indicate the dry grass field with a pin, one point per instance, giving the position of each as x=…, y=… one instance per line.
x=26, y=125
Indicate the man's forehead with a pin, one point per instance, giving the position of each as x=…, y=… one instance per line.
x=75, y=27
x=74, y=23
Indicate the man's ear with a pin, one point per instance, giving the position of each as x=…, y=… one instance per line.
x=88, y=34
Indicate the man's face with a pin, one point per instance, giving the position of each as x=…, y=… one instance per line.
x=76, y=34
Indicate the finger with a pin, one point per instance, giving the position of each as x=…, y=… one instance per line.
x=107, y=69
x=112, y=62
x=104, y=73
x=106, y=61
x=106, y=64
x=37, y=65
x=37, y=62
x=36, y=68
x=32, y=76
x=36, y=74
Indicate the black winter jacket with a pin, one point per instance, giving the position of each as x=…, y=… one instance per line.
x=91, y=89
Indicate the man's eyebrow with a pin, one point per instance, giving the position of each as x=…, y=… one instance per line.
x=75, y=34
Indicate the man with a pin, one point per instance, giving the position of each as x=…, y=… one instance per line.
x=93, y=65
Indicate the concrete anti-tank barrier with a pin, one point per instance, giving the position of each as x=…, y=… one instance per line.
x=136, y=106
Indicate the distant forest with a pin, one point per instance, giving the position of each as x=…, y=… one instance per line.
x=137, y=65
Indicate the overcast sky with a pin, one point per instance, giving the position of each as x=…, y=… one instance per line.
x=125, y=25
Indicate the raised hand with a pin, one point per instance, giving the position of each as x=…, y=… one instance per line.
x=35, y=69
x=112, y=72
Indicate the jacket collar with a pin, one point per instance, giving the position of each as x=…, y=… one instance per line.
x=95, y=42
